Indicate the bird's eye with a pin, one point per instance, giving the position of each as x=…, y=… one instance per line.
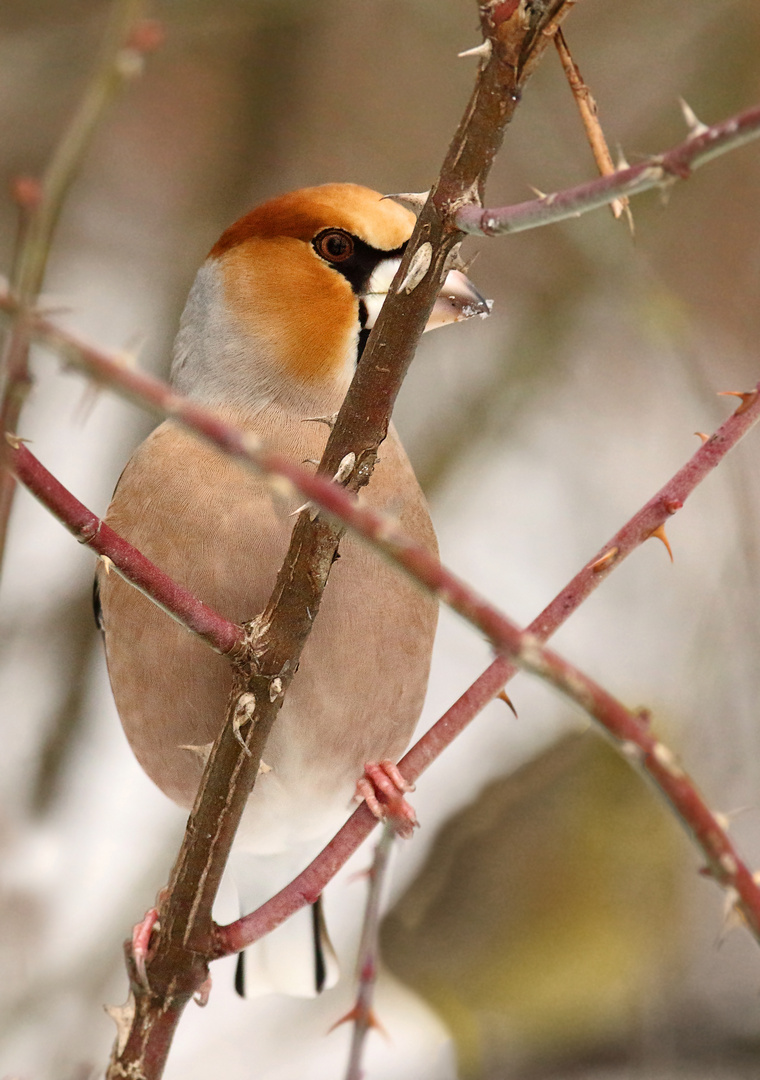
x=335, y=245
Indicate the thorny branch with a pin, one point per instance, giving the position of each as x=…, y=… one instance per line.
x=362, y=1014
x=662, y=171
x=706, y=827
x=177, y=965
x=187, y=937
x=120, y=556
x=127, y=40
x=648, y=522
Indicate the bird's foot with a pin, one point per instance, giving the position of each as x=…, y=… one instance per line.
x=141, y=935
x=383, y=789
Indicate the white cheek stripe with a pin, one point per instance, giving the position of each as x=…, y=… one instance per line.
x=377, y=289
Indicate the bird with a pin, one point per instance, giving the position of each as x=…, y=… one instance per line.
x=274, y=325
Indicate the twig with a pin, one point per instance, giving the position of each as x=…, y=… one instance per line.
x=646, y=523
x=362, y=1014
x=222, y=635
x=40, y=202
x=308, y=885
x=660, y=171
x=589, y=114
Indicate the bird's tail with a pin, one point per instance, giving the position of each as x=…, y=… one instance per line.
x=297, y=958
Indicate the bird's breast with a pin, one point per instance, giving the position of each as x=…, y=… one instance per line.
x=221, y=531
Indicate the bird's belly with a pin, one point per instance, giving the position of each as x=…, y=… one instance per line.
x=359, y=688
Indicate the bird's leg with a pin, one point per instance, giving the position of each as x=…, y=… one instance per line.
x=140, y=942
x=383, y=788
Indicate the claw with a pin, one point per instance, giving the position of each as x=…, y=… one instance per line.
x=383, y=788
x=141, y=935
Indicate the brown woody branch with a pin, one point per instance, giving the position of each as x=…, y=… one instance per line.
x=177, y=964
x=661, y=171
x=381, y=532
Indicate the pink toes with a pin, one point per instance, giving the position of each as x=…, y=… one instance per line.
x=383, y=788
x=141, y=941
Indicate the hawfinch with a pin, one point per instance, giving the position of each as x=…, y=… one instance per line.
x=273, y=327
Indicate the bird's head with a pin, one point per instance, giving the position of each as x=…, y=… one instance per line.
x=281, y=307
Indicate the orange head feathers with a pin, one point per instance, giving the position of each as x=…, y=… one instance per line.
x=278, y=308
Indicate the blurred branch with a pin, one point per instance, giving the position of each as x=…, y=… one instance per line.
x=521, y=648
x=362, y=1014
x=127, y=39
x=661, y=171
x=222, y=635
x=589, y=114
x=703, y=825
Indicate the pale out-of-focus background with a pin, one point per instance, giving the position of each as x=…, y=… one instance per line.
x=548, y=919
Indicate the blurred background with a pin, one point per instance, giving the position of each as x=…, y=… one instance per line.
x=548, y=919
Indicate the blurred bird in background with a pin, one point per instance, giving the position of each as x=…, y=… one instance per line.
x=270, y=337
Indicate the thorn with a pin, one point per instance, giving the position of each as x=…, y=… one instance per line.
x=415, y=200
x=504, y=696
x=15, y=441
x=484, y=50
x=622, y=161
x=659, y=532
x=345, y=468
x=201, y=751
x=360, y=875
x=418, y=267
x=605, y=560
x=122, y=1016
x=328, y=420
x=725, y=817
x=537, y=191
x=356, y=1014
x=747, y=396
x=644, y=716
x=107, y=563
x=693, y=123
x=245, y=707
x=281, y=487
x=704, y=437
x=275, y=689
x=732, y=916
x=297, y=511
x=264, y=768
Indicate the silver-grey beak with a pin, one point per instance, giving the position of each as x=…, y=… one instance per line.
x=457, y=300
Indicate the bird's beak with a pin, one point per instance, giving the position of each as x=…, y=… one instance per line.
x=457, y=300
